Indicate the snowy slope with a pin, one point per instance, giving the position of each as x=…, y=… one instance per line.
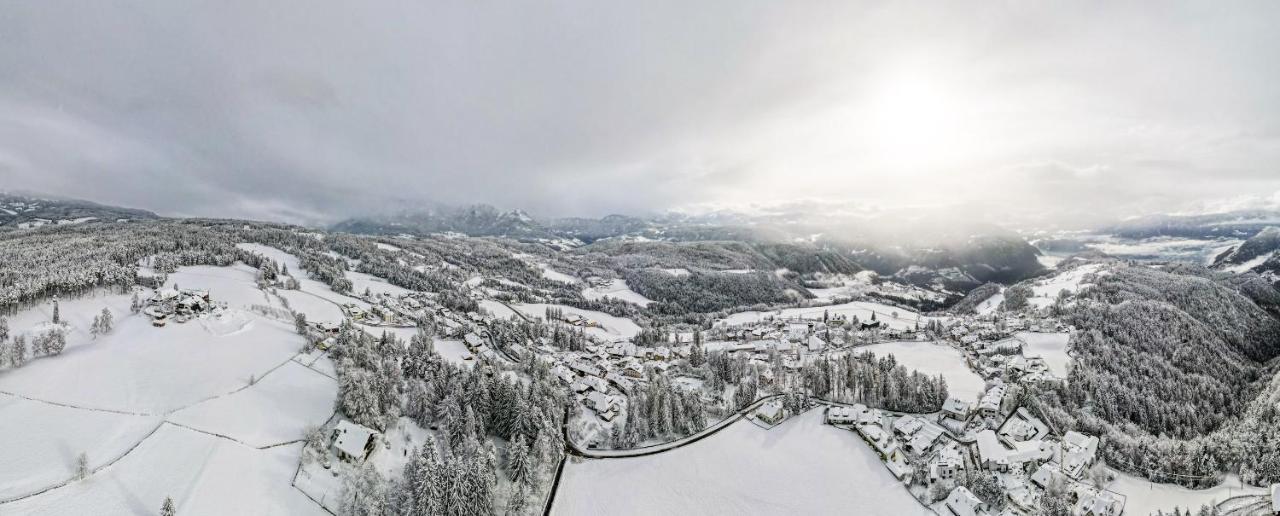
x=205, y=475
x=616, y=289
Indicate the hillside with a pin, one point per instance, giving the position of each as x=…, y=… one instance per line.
x=1164, y=361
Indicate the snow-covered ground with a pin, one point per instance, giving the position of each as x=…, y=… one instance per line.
x=933, y=358
x=990, y=304
x=498, y=310
x=554, y=275
x=361, y=282
x=1052, y=347
x=1143, y=497
x=139, y=368
x=274, y=410
x=905, y=319
x=610, y=327
x=617, y=289
x=203, y=474
x=317, y=308
x=77, y=316
x=42, y=441
x=1046, y=290
x=308, y=285
x=237, y=285
x=1250, y=264
x=799, y=467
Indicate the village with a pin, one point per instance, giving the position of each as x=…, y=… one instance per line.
x=989, y=435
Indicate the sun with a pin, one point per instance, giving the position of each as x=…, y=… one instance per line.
x=913, y=120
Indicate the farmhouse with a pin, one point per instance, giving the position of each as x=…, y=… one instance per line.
x=352, y=442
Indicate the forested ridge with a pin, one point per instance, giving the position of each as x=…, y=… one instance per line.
x=1168, y=366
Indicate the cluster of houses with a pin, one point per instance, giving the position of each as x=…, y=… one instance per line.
x=177, y=305
x=1017, y=448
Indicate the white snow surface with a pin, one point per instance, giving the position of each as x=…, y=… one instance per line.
x=276, y=409
x=554, y=275
x=617, y=289
x=906, y=318
x=42, y=441
x=1052, y=347
x=1046, y=290
x=990, y=304
x=138, y=368
x=934, y=358
x=1143, y=497
x=204, y=475
x=1250, y=264
x=610, y=327
x=801, y=466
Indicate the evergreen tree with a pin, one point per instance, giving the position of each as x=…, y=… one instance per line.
x=135, y=304
x=518, y=460
x=167, y=509
x=57, y=316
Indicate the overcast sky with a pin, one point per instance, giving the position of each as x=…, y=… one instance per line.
x=313, y=110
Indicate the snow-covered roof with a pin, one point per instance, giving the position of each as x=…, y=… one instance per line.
x=963, y=502
x=955, y=405
x=351, y=438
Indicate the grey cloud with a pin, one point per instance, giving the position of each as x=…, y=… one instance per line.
x=312, y=111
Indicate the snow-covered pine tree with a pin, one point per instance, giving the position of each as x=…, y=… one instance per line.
x=518, y=460
x=167, y=509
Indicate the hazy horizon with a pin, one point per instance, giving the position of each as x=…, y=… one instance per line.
x=1035, y=113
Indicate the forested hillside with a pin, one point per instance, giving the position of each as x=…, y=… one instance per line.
x=1165, y=362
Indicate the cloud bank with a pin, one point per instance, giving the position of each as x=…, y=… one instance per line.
x=315, y=110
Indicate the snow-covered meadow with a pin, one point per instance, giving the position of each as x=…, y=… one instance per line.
x=892, y=316
x=933, y=358
x=209, y=412
x=610, y=327
x=616, y=289
x=801, y=466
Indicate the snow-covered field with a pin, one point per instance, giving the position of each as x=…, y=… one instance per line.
x=308, y=285
x=138, y=368
x=235, y=285
x=164, y=411
x=933, y=358
x=1046, y=290
x=617, y=289
x=202, y=473
x=361, y=282
x=1143, y=497
x=554, y=275
x=42, y=441
x=990, y=304
x=610, y=327
x=317, y=308
x=498, y=310
x=906, y=318
x=275, y=410
x=799, y=467
x=1052, y=347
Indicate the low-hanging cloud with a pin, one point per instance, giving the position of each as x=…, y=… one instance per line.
x=312, y=111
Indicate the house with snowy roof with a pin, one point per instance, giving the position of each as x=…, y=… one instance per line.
x=962, y=502
x=956, y=408
x=352, y=442
x=1078, y=453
